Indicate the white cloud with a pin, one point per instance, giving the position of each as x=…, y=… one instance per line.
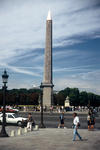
x=18, y=70
x=22, y=26
x=72, y=69
x=85, y=81
x=22, y=33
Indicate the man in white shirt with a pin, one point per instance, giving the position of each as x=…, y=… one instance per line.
x=75, y=126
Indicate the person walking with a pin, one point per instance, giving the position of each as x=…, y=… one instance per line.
x=29, y=122
x=92, y=118
x=89, y=121
x=76, y=124
x=61, y=120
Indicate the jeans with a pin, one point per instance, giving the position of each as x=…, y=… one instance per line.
x=75, y=132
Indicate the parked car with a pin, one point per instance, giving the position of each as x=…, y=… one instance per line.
x=13, y=118
x=9, y=109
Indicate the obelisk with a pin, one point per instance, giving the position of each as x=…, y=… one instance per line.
x=47, y=82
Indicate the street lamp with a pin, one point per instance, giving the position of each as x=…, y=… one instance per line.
x=41, y=98
x=4, y=80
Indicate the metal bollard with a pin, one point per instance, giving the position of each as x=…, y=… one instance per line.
x=19, y=131
x=25, y=130
x=36, y=127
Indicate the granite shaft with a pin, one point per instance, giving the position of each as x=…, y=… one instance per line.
x=47, y=83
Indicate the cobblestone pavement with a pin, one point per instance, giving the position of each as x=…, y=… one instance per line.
x=52, y=139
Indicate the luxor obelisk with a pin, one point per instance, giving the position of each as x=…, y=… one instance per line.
x=47, y=82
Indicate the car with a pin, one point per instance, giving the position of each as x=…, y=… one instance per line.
x=9, y=109
x=12, y=109
x=13, y=118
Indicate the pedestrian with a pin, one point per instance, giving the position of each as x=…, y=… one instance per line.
x=76, y=124
x=89, y=121
x=92, y=118
x=61, y=120
x=29, y=122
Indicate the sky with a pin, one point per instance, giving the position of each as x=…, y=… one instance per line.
x=76, y=43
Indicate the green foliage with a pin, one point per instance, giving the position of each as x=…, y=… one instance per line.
x=31, y=96
x=83, y=97
x=21, y=97
x=76, y=98
x=65, y=92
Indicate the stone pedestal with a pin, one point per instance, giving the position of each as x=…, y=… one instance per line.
x=47, y=96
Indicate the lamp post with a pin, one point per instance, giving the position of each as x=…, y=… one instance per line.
x=5, y=80
x=41, y=97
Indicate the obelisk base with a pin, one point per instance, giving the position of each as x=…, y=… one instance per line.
x=47, y=96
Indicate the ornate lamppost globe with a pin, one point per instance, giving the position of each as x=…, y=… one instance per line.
x=5, y=77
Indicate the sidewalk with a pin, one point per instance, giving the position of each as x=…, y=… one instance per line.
x=52, y=139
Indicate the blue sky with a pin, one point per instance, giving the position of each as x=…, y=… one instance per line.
x=76, y=42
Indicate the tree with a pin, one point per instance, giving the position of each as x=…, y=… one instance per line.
x=74, y=97
x=83, y=97
x=65, y=92
x=30, y=97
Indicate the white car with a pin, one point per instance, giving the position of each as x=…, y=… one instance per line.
x=13, y=118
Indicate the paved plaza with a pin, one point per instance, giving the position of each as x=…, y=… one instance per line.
x=52, y=139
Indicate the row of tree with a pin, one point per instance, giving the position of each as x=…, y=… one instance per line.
x=77, y=98
x=31, y=97
x=21, y=97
